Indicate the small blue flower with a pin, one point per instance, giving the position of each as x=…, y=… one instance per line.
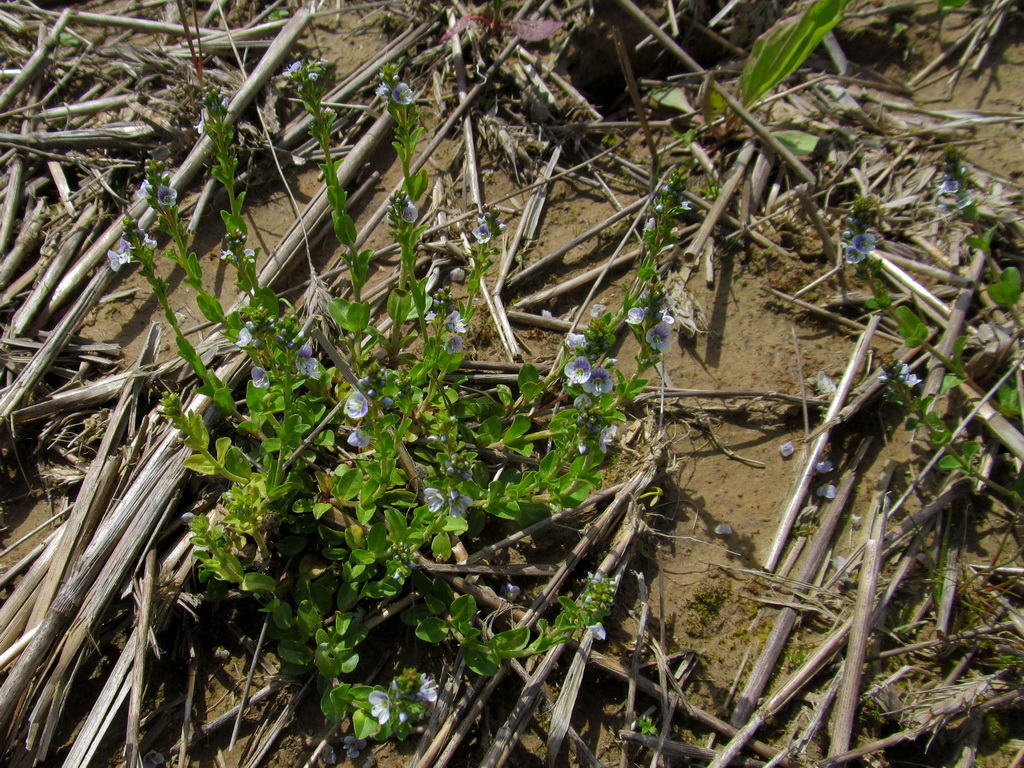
x=166, y=196
x=259, y=377
x=823, y=466
x=244, y=338
x=358, y=438
x=949, y=187
x=383, y=90
x=402, y=94
x=482, y=233
x=827, y=491
x=853, y=256
x=606, y=437
x=307, y=366
x=598, y=631
x=453, y=345
x=574, y=340
x=292, y=69
x=787, y=450
x=459, y=503
x=865, y=242
x=581, y=403
x=428, y=689
x=380, y=706
x=599, y=383
x=455, y=322
x=356, y=405
x=457, y=275
x=510, y=591
x=636, y=316
x=434, y=499
x=410, y=212
x=120, y=256
x=353, y=746
x=577, y=371
x=144, y=189
x=964, y=199
x=658, y=337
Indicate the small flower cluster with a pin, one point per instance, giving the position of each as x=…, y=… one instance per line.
x=651, y=319
x=402, y=209
x=406, y=700
x=454, y=325
x=156, y=186
x=132, y=240
x=390, y=87
x=955, y=180
x=858, y=240
x=305, y=72
x=488, y=226
x=234, y=250
x=457, y=466
x=668, y=205
x=596, y=601
x=584, y=369
x=214, y=110
x=385, y=387
x=900, y=372
x=592, y=426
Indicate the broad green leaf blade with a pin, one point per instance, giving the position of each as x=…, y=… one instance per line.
x=782, y=49
x=797, y=142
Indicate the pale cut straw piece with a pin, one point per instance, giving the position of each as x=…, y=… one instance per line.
x=529, y=221
x=638, y=652
x=37, y=302
x=930, y=303
x=28, y=236
x=695, y=247
x=818, y=444
x=786, y=618
x=138, y=674
x=856, y=648
x=36, y=62
x=561, y=714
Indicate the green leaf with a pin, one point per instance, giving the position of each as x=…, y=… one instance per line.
x=673, y=98
x=480, y=662
x=463, y=608
x=950, y=463
x=782, y=49
x=797, y=142
x=336, y=703
x=510, y=643
x=1009, y=400
x=945, y=6
x=712, y=105
x=432, y=629
x=441, y=547
x=201, y=464
x=363, y=725
x=1006, y=293
x=950, y=381
x=913, y=331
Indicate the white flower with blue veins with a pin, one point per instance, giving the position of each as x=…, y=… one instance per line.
x=599, y=383
x=636, y=316
x=356, y=405
x=577, y=371
x=380, y=706
x=658, y=337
